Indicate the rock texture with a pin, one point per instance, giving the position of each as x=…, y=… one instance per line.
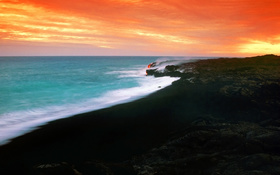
x=209, y=147
x=254, y=80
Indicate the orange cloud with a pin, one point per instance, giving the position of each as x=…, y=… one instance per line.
x=159, y=27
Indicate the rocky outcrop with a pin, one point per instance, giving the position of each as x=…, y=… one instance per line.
x=254, y=79
x=244, y=141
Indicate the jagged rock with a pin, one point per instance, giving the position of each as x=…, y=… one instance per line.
x=171, y=68
x=55, y=169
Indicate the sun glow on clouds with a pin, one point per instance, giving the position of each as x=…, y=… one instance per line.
x=261, y=47
x=31, y=23
x=169, y=38
x=26, y=22
x=168, y=27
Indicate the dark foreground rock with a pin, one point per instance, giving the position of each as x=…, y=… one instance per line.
x=216, y=148
x=55, y=169
x=221, y=117
x=88, y=167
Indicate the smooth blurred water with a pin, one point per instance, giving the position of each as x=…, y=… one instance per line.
x=36, y=90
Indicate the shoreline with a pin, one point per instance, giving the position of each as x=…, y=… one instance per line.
x=15, y=124
x=125, y=133
x=113, y=134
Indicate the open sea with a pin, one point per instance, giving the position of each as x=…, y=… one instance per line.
x=37, y=90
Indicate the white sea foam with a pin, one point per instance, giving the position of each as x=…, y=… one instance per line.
x=137, y=71
x=14, y=124
x=161, y=63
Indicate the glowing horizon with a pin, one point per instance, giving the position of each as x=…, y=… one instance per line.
x=139, y=27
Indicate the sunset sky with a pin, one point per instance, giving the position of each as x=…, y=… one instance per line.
x=139, y=27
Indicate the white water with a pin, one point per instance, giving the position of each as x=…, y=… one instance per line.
x=50, y=100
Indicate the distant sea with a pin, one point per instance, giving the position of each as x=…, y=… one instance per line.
x=37, y=90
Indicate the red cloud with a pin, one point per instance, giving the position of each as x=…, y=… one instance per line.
x=167, y=26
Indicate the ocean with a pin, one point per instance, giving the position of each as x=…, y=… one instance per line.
x=37, y=90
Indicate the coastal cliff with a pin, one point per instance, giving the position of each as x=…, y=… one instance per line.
x=221, y=117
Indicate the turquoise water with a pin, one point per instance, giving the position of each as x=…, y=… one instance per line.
x=36, y=90
x=35, y=82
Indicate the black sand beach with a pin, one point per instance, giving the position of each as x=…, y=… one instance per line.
x=221, y=117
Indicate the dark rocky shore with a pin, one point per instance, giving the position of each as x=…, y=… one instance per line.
x=221, y=117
